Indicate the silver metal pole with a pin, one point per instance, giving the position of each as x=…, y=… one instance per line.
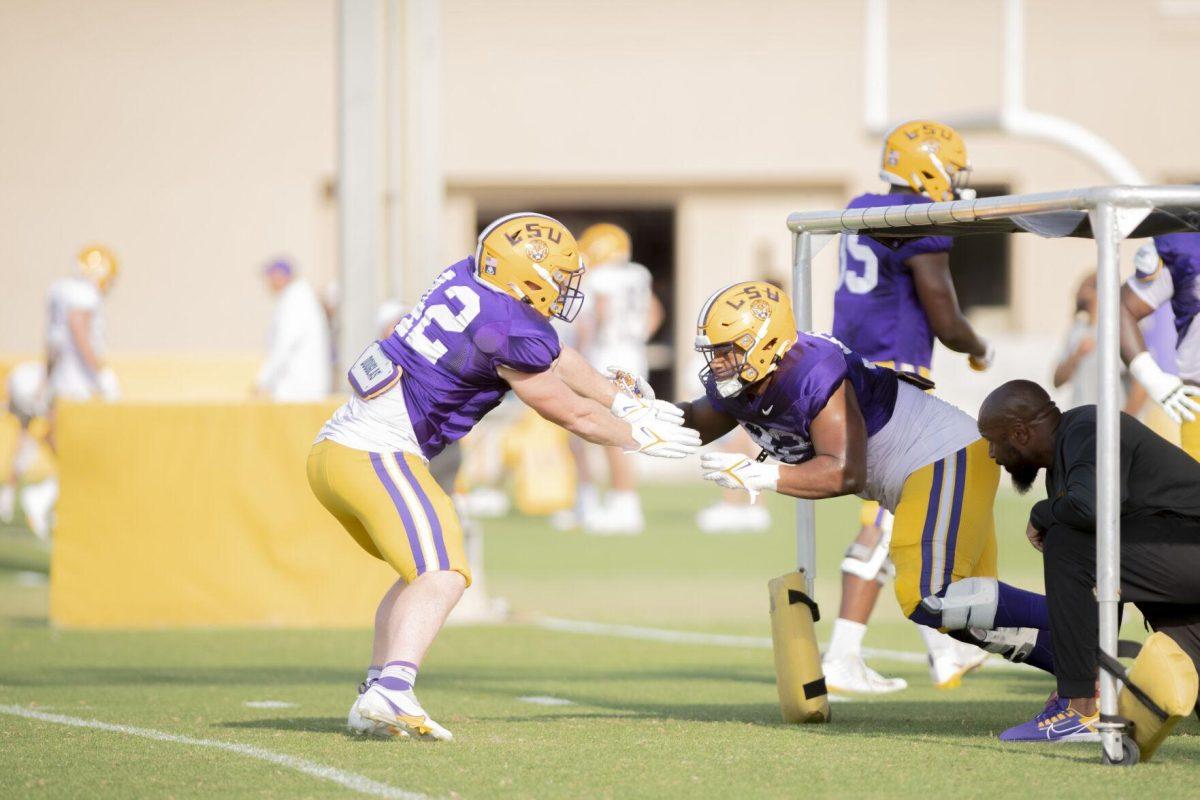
x=806, y=524
x=359, y=172
x=1108, y=443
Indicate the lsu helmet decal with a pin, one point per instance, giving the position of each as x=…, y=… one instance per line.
x=926, y=156
x=604, y=243
x=742, y=332
x=535, y=259
x=98, y=264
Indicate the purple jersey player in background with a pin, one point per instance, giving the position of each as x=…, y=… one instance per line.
x=892, y=301
x=1167, y=273
x=481, y=329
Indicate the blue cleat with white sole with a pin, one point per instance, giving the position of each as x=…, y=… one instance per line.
x=1058, y=722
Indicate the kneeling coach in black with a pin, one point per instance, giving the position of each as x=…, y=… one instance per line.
x=1160, y=537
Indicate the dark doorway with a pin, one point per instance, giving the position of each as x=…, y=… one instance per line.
x=653, y=233
x=980, y=262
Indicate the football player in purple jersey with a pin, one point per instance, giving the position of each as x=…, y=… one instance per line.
x=836, y=423
x=481, y=329
x=892, y=301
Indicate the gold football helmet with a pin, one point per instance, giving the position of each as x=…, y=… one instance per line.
x=98, y=264
x=928, y=157
x=743, y=331
x=535, y=259
x=604, y=243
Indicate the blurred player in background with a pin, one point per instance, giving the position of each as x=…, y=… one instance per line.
x=481, y=329
x=1167, y=270
x=298, y=350
x=844, y=425
x=75, y=329
x=891, y=302
x=31, y=480
x=735, y=513
x=1077, y=360
x=622, y=316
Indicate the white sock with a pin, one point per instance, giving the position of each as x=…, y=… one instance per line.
x=586, y=499
x=847, y=639
x=373, y=673
x=936, y=642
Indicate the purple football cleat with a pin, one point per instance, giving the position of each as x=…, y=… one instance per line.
x=1058, y=722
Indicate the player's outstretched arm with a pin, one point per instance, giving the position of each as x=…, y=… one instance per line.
x=638, y=430
x=935, y=290
x=582, y=378
x=711, y=423
x=1177, y=398
x=839, y=439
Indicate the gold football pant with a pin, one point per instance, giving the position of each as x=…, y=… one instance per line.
x=944, y=529
x=392, y=507
x=1189, y=438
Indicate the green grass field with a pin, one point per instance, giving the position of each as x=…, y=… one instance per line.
x=645, y=718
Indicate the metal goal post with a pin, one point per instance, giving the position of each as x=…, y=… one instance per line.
x=1108, y=214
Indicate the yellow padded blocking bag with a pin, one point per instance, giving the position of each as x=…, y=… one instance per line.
x=1168, y=676
x=798, y=675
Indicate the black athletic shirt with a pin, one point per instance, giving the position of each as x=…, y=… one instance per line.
x=1156, y=476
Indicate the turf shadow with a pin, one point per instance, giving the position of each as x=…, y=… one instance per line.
x=307, y=724
x=195, y=676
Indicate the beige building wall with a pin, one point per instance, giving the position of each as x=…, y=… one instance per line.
x=199, y=138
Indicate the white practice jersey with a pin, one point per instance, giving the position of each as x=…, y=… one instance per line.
x=923, y=429
x=299, y=366
x=70, y=377
x=620, y=331
x=1175, y=280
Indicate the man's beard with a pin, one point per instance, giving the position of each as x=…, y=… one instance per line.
x=1023, y=476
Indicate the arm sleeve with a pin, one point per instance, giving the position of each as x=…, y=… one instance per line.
x=926, y=244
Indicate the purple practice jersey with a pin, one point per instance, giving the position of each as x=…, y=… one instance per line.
x=450, y=346
x=1180, y=254
x=779, y=419
x=876, y=311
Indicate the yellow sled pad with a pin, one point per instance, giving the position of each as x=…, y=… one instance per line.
x=798, y=675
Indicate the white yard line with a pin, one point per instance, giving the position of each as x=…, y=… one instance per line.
x=723, y=640
x=546, y=700
x=348, y=780
x=268, y=704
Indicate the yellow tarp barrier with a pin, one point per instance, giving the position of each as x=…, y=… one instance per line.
x=193, y=515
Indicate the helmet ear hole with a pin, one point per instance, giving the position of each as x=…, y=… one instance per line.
x=535, y=287
x=771, y=344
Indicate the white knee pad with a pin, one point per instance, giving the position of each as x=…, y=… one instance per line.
x=868, y=563
x=871, y=563
x=969, y=603
x=1014, y=644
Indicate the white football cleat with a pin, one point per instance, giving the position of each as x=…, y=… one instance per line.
x=400, y=714
x=851, y=675
x=361, y=726
x=733, y=518
x=946, y=669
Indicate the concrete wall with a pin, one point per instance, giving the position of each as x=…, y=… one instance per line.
x=199, y=138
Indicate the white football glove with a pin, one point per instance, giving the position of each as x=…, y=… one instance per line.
x=630, y=383
x=623, y=405
x=1168, y=391
x=656, y=428
x=736, y=471
x=983, y=363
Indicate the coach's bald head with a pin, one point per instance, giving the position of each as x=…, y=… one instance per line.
x=1019, y=421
